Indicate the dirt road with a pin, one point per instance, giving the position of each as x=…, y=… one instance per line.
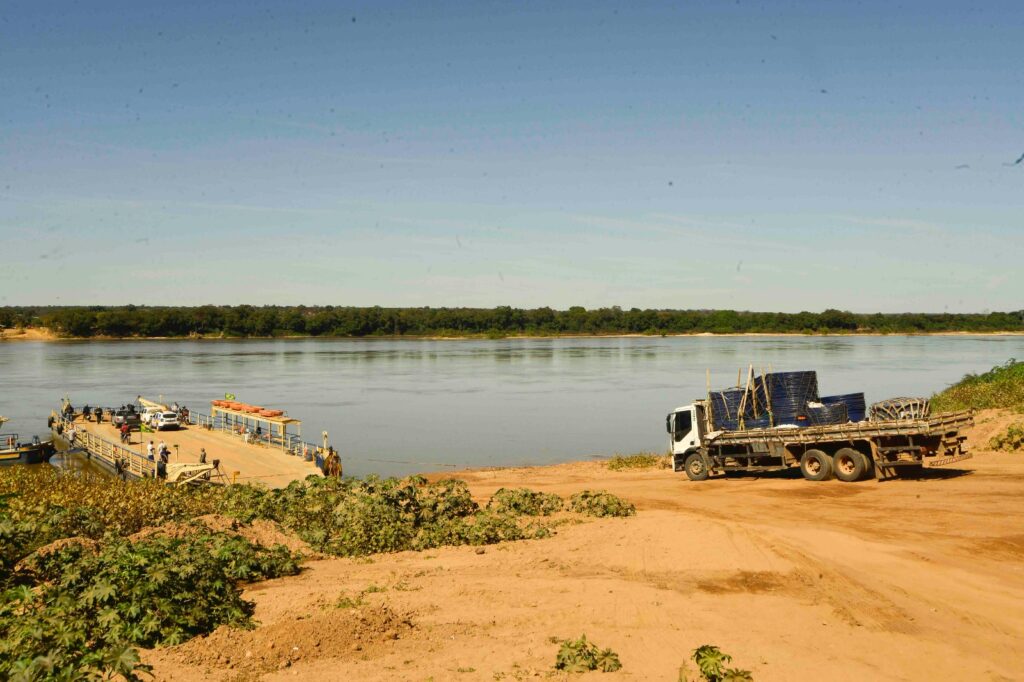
x=897, y=580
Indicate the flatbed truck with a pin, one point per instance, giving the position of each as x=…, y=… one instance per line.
x=851, y=452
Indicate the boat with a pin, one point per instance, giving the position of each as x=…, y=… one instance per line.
x=13, y=451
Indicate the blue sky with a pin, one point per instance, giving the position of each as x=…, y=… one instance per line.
x=772, y=156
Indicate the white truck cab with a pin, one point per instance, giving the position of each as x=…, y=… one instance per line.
x=686, y=429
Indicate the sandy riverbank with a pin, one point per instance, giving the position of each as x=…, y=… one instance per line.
x=896, y=580
x=44, y=334
x=27, y=334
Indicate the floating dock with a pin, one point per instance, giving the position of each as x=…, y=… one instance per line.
x=274, y=458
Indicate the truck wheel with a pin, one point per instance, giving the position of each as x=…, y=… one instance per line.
x=869, y=471
x=815, y=465
x=849, y=465
x=696, y=468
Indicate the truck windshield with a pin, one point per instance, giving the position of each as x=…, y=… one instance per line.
x=684, y=422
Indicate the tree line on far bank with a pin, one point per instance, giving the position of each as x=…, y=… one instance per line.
x=339, y=321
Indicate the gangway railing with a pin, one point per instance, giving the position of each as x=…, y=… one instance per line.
x=293, y=444
x=115, y=455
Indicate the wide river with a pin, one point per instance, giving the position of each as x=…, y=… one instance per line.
x=402, y=406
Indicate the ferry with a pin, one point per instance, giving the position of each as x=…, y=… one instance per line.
x=13, y=451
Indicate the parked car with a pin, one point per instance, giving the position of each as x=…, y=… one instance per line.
x=130, y=417
x=164, y=420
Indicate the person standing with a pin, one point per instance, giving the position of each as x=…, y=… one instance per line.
x=149, y=451
x=202, y=455
x=332, y=464
x=86, y=413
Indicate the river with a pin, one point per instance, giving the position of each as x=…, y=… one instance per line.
x=402, y=406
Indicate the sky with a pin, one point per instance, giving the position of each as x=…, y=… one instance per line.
x=776, y=156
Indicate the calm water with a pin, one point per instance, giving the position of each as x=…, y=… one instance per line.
x=396, y=407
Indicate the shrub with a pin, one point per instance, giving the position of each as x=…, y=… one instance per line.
x=92, y=604
x=600, y=503
x=1000, y=387
x=1010, y=440
x=643, y=460
x=524, y=501
x=580, y=656
x=711, y=662
x=91, y=506
x=78, y=608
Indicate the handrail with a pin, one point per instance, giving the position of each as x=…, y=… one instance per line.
x=293, y=445
x=115, y=455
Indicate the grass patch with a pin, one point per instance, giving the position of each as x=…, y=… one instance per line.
x=643, y=460
x=1000, y=387
x=1011, y=440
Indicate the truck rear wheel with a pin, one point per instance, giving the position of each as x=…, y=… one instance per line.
x=696, y=467
x=815, y=465
x=849, y=465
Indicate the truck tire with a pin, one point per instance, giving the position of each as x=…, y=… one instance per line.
x=815, y=465
x=849, y=465
x=869, y=472
x=696, y=467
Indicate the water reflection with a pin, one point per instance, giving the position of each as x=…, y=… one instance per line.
x=480, y=402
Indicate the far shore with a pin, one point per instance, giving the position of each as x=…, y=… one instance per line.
x=44, y=334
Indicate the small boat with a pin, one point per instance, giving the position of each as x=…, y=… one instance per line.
x=13, y=451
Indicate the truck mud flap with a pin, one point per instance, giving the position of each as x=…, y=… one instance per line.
x=943, y=461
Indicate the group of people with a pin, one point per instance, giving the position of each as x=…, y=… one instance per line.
x=161, y=454
x=87, y=414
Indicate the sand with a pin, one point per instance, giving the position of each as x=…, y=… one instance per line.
x=46, y=334
x=897, y=580
x=27, y=334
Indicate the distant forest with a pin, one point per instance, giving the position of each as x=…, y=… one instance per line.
x=335, y=321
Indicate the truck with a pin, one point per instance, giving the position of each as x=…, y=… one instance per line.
x=850, y=452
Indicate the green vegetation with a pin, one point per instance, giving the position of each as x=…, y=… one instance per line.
x=81, y=587
x=1011, y=440
x=711, y=663
x=1000, y=387
x=600, y=503
x=352, y=517
x=580, y=656
x=76, y=609
x=525, y=502
x=247, y=320
x=643, y=460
